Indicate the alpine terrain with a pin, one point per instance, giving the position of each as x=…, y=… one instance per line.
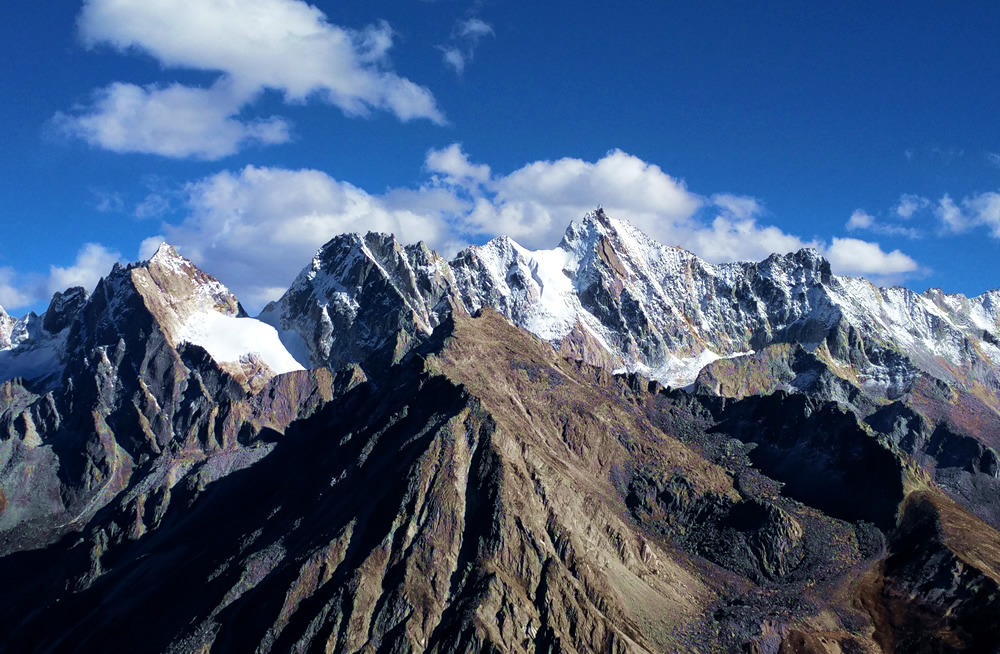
x=609, y=446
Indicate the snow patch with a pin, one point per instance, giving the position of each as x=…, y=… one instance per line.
x=558, y=308
x=229, y=339
x=35, y=361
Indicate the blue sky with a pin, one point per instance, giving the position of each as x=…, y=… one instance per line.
x=249, y=132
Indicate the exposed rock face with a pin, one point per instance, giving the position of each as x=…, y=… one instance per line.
x=134, y=398
x=477, y=459
x=939, y=588
x=34, y=348
x=362, y=300
x=477, y=503
x=613, y=296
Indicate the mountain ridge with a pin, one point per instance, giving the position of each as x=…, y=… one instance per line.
x=607, y=446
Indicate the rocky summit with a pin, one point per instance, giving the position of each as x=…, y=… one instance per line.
x=609, y=446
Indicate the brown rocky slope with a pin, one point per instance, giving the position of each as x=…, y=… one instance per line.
x=489, y=495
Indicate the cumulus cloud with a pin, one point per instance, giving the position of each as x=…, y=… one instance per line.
x=454, y=165
x=465, y=38
x=174, y=121
x=11, y=296
x=93, y=261
x=535, y=203
x=860, y=220
x=257, y=227
x=284, y=45
x=853, y=256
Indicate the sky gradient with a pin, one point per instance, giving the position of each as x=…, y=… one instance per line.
x=249, y=132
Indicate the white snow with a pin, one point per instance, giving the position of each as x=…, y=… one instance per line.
x=33, y=361
x=676, y=372
x=229, y=339
x=558, y=308
x=291, y=339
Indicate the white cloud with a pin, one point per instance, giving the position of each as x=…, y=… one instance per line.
x=257, y=227
x=853, y=256
x=908, y=205
x=454, y=58
x=93, y=261
x=535, y=203
x=737, y=240
x=860, y=220
x=454, y=164
x=985, y=210
x=993, y=158
x=474, y=28
x=174, y=121
x=739, y=207
x=284, y=45
x=911, y=204
x=152, y=206
x=11, y=297
x=950, y=215
x=981, y=210
x=465, y=38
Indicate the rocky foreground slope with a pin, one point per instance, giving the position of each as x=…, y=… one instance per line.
x=610, y=446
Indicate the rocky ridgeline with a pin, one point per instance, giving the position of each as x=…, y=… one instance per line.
x=611, y=296
x=494, y=454
x=132, y=401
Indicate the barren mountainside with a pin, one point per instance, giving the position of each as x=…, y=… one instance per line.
x=609, y=446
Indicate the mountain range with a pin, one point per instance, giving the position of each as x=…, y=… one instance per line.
x=609, y=446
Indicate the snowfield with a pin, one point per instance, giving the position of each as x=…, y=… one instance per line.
x=229, y=339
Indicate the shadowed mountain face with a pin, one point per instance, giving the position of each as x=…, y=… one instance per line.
x=475, y=479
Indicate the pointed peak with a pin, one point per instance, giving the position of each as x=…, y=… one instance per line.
x=807, y=259
x=63, y=309
x=341, y=242
x=165, y=252
x=594, y=226
x=599, y=216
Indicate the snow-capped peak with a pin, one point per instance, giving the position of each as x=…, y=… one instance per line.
x=34, y=347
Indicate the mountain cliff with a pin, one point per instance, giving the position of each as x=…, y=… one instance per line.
x=607, y=446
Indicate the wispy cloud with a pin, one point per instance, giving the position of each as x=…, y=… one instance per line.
x=911, y=204
x=947, y=155
x=283, y=45
x=982, y=210
x=153, y=205
x=993, y=158
x=907, y=207
x=106, y=201
x=465, y=38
